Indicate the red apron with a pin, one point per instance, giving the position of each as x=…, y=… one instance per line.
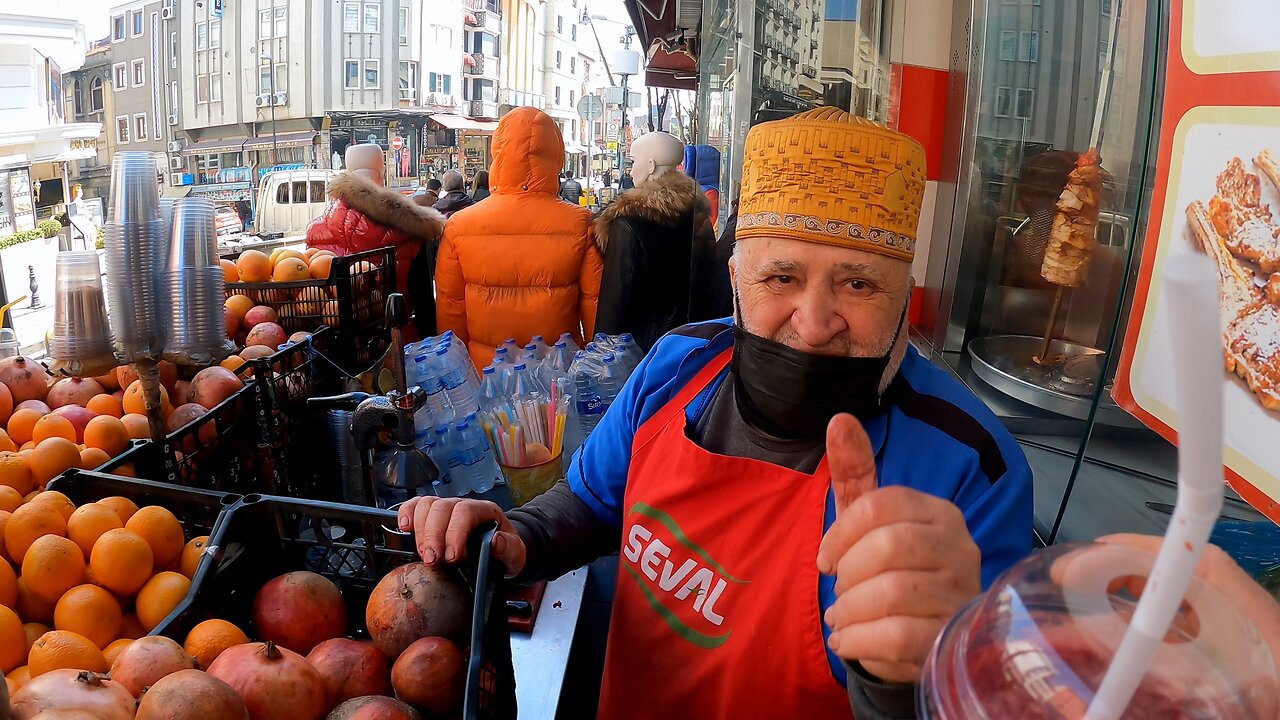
x=716, y=612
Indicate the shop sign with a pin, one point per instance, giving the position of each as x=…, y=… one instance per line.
x=1217, y=184
x=20, y=200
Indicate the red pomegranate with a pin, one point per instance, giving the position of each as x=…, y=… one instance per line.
x=415, y=601
x=374, y=707
x=184, y=415
x=232, y=321
x=61, y=693
x=266, y=333
x=37, y=405
x=299, y=610
x=25, y=378
x=212, y=385
x=274, y=682
x=351, y=669
x=259, y=314
x=191, y=695
x=430, y=674
x=148, y=659
x=78, y=416
x=73, y=391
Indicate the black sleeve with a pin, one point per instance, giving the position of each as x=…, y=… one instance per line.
x=560, y=534
x=621, y=261
x=872, y=699
x=421, y=288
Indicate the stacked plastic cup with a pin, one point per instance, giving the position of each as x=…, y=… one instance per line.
x=81, y=338
x=135, y=242
x=193, y=286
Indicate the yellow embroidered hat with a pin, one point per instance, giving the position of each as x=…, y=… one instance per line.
x=829, y=177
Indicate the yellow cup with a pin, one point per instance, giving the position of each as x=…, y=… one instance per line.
x=527, y=483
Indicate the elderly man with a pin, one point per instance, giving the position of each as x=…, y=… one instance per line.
x=453, y=197
x=801, y=500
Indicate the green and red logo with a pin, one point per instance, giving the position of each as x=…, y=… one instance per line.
x=679, y=579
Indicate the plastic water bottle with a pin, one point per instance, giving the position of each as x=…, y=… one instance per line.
x=491, y=393
x=540, y=347
x=611, y=380
x=586, y=374
x=437, y=409
x=567, y=339
x=443, y=484
x=453, y=377
x=560, y=357
x=512, y=348
x=631, y=352
x=476, y=465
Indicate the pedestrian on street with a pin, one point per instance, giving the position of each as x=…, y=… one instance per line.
x=521, y=263
x=801, y=501
x=570, y=189
x=454, y=198
x=480, y=186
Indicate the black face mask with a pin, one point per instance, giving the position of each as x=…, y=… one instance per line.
x=791, y=394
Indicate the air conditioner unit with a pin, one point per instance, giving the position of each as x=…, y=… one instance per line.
x=262, y=100
x=173, y=119
x=282, y=98
x=175, y=146
x=176, y=180
x=177, y=163
x=166, y=13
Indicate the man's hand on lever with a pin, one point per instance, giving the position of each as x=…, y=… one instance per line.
x=903, y=560
x=440, y=527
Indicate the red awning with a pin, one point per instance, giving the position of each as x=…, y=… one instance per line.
x=470, y=19
x=675, y=70
x=468, y=61
x=652, y=18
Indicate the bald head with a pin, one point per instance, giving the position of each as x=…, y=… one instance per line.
x=452, y=181
x=655, y=154
x=365, y=157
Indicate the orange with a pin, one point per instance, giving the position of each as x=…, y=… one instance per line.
x=121, y=561
x=105, y=405
x=311, y=300
x=29, y=522
x=289, y=254
x=108, y=434
x=137, y=426
x=52, y=566
x=18, y=678
x=93, y=458
x=28, y=445
x=88, y=523
x=232, y=363
x=290, y=270
x=4, y=522
x=321, y=266
x=254, y=266
x=90, y=611
x=161, y=530
x=51, y=426
x=52, y=458
x=15, y=472
x=22, y=423
x=229, y=272
x=59, y=649
x=34, y=630
x=126, y=470
x=56, y=500
x=159, y=597
x=124, y=507
x=191, y=555
x=8, y=585
x=7, y=443
x=240, y=304
x=13, y=641
x=275, y=255
x=130, y=628
x=10, y=499
x=207, y=640
x=133, y=400
x=31, y=608
x=112, y=651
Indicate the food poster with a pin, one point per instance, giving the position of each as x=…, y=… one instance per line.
x=1217, y=191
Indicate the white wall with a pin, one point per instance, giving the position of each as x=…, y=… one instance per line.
x=24, y=43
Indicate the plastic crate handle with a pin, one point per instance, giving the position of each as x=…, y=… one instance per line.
x=480, y=547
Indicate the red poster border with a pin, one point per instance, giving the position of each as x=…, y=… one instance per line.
x=1184, y=90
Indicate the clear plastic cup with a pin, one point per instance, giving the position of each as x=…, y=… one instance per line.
x=1037, y=644
x=193, y=242
x=81, y=329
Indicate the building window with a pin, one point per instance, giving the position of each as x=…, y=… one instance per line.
x=119, y=76
x=408, y=80
x=1106, y=7
x=215, y=34
x=202, y=36
x=1029, y=46
x=1008, y=44
x=122, y=129
x=351, y=74
x=173, y=50
x=77, y=95
x=1004, y=101
x=557, y=94
x=264, y=79
x=282, y=22
x=404, y=26
x=573, y=65
x=1026, y=101
x=484, y=43
x=573, y=31
x=117, y=28
x=351, y=17
x=264, y=25
x=202, y=88
x=137, y=23
x=571, y=98
x=282, y=77
x=558, y=58
x=372, y=18
x=215, y=88
x=173, y=99
x=440, y=83
x=560, y=24
x=140, y=127
x=95, y=95
x=371, y=72
x=139, y=73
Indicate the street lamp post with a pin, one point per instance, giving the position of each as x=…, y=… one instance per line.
x=271, y=72
x=626, y=40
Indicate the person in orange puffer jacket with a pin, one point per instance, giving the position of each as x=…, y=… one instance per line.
x=364, y=215
x=521, y=263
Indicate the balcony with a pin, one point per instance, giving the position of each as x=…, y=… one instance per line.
x=489, y=21
x=482, y=109
x=493, y=6
x=480, y=65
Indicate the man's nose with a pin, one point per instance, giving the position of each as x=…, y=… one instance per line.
x=815, y=319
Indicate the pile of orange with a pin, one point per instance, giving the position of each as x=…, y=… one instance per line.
x=280, y=266
x=77, y=584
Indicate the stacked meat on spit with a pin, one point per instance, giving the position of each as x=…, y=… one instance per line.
x=1239, y=233
x=1075, y=227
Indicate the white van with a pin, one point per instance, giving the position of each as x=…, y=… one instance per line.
x=288, y=200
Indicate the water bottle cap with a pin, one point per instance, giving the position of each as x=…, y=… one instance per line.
x=509, y=341
x=520, y=366
x=566, y=336
x=560, y=345
x=447, y=334
x=592, y=347
x=500, y=351
x=536, y=339
x=626, y=337
x=601, y=337
x=442, y=350
x=487, y=371
x=462, y=425
x=580, y=355
x=609, y=357
x=531, y=348
x=420, y=357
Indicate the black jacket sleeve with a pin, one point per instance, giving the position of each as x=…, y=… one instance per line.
x=560, y=533
x=621, y=263
x=872, y=699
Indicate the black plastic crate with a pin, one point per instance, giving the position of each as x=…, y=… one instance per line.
x=263, y=537
x=200, y=511
x=225, y=449
x=143, y=459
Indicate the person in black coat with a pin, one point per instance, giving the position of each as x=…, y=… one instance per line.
x=480, y=186
x=453, y=198
x=570, y=189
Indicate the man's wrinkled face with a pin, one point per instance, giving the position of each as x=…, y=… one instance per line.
x=821, y=299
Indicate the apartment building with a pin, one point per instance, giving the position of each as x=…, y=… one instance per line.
x=142, y=73
x=564, y=70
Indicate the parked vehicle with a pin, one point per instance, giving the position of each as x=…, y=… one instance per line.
x=289, y=200
x=226, y=221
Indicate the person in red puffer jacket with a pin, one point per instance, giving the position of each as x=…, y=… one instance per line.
x=364, y=215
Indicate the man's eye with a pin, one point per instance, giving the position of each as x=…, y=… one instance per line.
x=783, y=279
x=858, y=285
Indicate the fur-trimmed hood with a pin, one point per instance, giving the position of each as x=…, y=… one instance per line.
x=663, y=200
x=386, y=207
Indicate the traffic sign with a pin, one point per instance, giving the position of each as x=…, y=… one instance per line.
x=590, y=107
x=397, y=142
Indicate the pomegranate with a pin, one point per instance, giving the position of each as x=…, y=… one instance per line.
x=253, y=352
x=299, y=610
x=260, y=314
x=414, y=601
x=372, y=707
x=78, y=416
x=37, y=405
x=191, y=695
x=168, y=374
x=274, y=682
x=181, y=394
x=59, y=692
x=73, y=391
x=351, y=669
x=300, y=336
x=430, y=674
x=25, y=378
x=148, y=659
x=125, y=376
x=184, y=415
x=6, y=404
x=212, y=385
x=232, y=320
x=267, y=333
